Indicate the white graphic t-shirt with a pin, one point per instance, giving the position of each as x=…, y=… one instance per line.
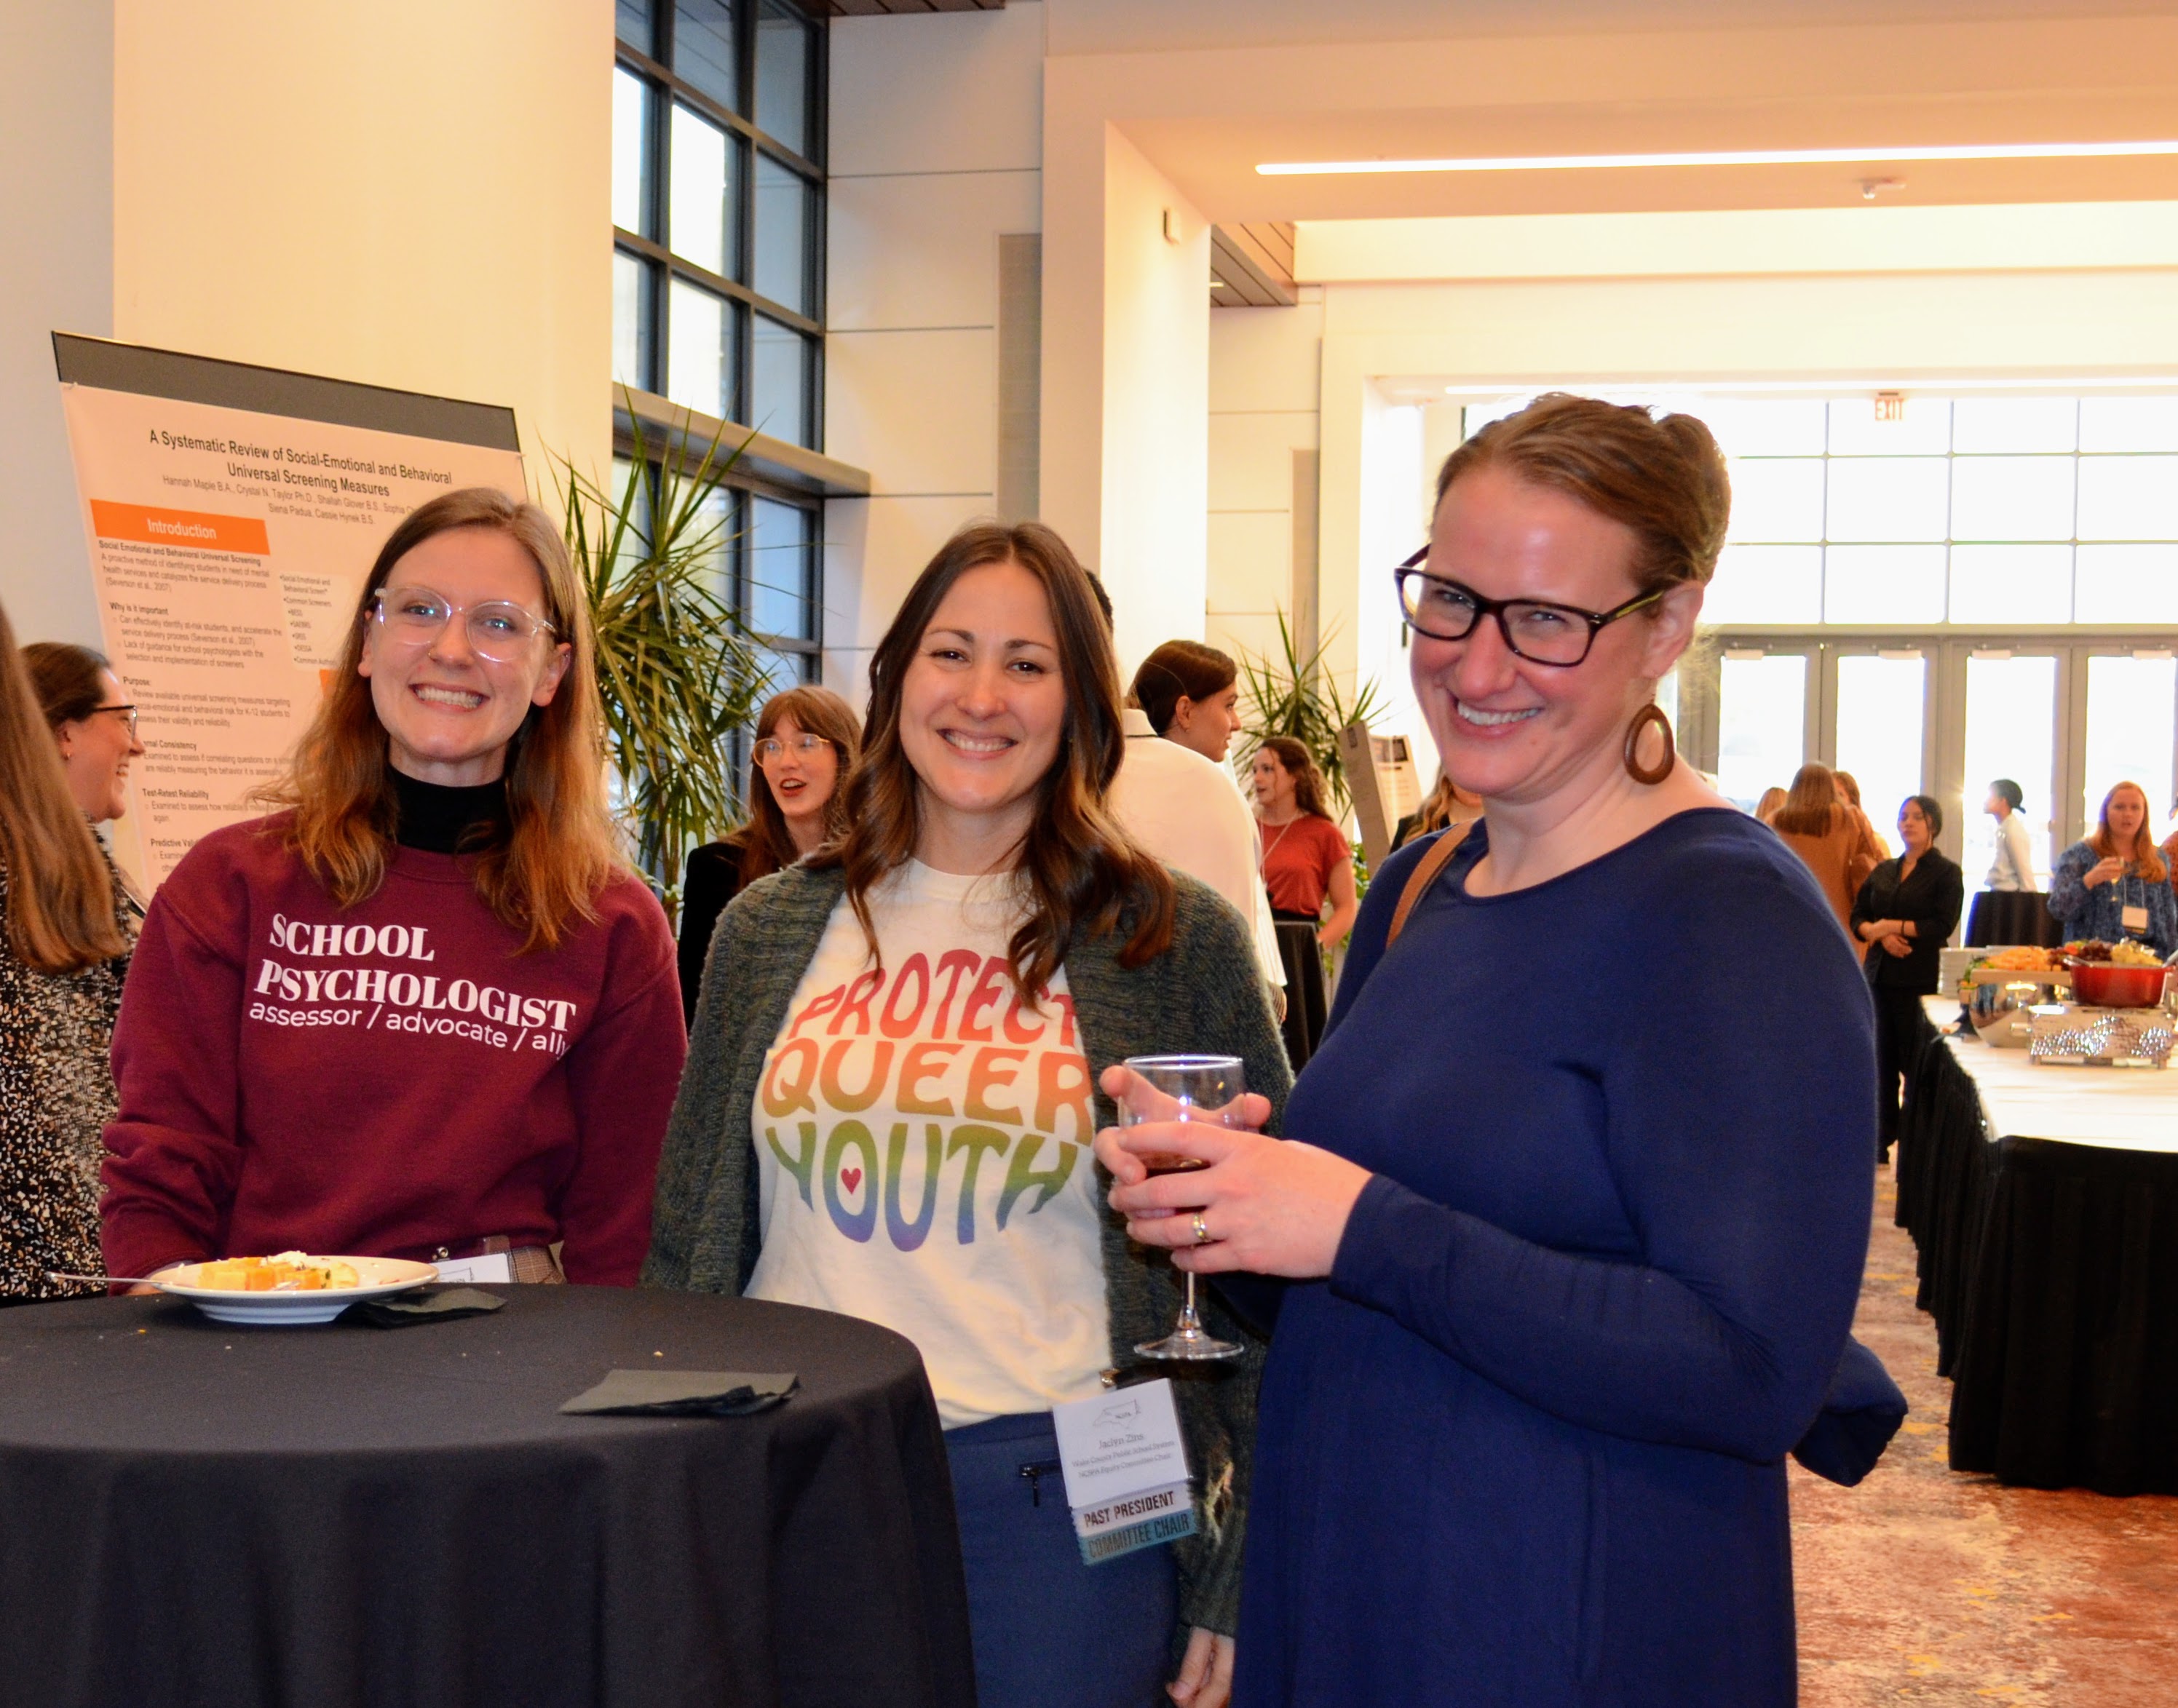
x=922, y=1147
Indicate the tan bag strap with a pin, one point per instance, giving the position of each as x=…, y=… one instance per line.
x=1423, y=876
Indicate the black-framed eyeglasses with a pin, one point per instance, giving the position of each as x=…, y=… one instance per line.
x=127, y=716
x=1542, y=633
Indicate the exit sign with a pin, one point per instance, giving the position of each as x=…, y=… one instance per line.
x=1889, y=406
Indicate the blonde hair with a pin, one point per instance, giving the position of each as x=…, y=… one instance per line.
x=2146, y=860
x=60, y=892
x=545, y=868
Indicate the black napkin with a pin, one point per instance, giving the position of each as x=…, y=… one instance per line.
x=684, y=1393
x=432, y=1305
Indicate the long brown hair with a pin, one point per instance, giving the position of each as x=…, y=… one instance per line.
x=2147, y=862
x=1301, y=765
x=1180, y=669
x=60, y=895
x=1811, y=804
x=544, y=869
x=65, y=678
x=765, y=842
x=1083, y=874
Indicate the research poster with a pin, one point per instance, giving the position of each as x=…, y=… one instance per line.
x=232, y=513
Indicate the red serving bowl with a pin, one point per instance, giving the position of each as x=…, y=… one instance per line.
x=2102, y=985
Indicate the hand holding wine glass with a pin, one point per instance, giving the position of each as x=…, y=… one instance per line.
x=1171, y=1093
x=1250, y=1202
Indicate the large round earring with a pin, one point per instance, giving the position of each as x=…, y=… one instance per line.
x=1652, y=713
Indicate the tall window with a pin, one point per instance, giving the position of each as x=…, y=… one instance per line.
x=1963, y=512
x=718, y=211
x=718, y=205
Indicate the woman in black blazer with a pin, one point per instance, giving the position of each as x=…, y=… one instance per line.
x=1905, y=914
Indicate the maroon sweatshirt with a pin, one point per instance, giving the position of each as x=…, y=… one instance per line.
x=388, y=1078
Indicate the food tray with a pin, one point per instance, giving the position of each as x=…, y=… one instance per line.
x=1999, y=975
x=2078, y=1037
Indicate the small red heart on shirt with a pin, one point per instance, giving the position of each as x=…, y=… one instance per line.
x=850, y=1178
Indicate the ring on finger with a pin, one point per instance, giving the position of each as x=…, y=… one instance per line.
x=1201, y=1230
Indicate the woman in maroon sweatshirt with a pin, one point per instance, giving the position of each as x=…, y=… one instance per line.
x=424, y=1011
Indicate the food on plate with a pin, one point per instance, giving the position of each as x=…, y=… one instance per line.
x=2126, y=954
x=290, y=1271
x=2023, y=960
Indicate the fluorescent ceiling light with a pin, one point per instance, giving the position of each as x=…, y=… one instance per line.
x=1758, y=156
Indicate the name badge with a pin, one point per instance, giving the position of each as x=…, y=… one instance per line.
x=1126, y=1470
x=2133, y=918
x=492, y=1266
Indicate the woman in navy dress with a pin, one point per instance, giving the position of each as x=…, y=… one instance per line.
x=1579, y=1198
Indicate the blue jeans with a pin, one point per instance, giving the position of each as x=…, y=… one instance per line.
x=1050, y=1632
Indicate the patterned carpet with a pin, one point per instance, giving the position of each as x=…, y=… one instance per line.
x=1923, y=1585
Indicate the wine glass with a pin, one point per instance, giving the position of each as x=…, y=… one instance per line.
x=1183, y=1088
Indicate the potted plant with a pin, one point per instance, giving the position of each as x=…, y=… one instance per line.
x=679, y=674
x=1297, y=696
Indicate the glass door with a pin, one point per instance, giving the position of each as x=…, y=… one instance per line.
x=2011, y=729
x=1877, y=720
x=2132, y=722
x=1764, y=717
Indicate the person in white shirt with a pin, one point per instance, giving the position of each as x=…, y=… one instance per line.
x=1176, y=796
x=2013, y=868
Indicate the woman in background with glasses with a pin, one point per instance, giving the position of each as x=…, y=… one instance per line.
x=1576, y=1188
x=424, y=1010
x=807, y=739
x=64, y=933
x=92, y=722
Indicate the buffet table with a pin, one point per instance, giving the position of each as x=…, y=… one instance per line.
x=351, y=1515
x=2044, y=1202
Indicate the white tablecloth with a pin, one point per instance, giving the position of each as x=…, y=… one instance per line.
x=2118, y=1108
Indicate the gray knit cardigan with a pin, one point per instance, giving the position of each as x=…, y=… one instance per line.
x=1204, y=995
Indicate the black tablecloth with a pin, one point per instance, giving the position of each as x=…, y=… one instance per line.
x=2012, y=916
x=2052, y=1272
x=199, y=1514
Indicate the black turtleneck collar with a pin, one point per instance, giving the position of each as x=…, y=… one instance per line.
x=437, y=819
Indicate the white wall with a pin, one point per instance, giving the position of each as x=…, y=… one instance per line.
x=1154, y=470
x=936, y=153
x=57, y=218
x=412, y=194
x=1265, y=366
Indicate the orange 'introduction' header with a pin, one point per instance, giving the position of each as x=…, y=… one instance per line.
x=180, y=527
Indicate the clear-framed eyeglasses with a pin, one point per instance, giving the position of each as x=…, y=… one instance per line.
x=413, y=618
x=772, y=748
x=1536, y=630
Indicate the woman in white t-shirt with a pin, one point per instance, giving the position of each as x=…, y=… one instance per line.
x=892, y=1092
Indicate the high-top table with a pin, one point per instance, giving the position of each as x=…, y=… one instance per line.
x=199, y=1514
x=2044, y=1204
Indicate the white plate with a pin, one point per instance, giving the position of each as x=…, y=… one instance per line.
x=376, y=1278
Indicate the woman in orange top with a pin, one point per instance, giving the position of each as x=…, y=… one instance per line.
x=1826, y=834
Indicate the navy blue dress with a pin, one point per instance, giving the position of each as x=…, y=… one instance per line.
x=1526, y=1445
